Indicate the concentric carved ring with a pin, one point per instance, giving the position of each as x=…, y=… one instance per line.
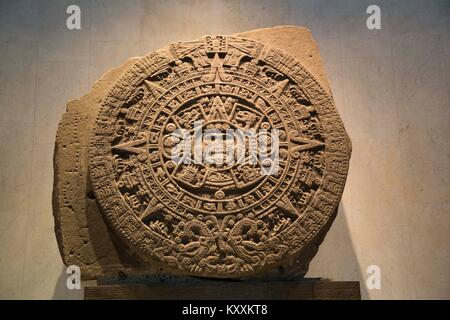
x=217, y=219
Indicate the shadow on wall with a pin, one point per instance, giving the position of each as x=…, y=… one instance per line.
x=336, y=259
x=61, y=292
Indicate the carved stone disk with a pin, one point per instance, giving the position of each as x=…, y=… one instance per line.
x=226, y=220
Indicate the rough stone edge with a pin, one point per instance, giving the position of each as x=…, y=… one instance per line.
x=63, y=162
x=310, y=59
x=308, y=54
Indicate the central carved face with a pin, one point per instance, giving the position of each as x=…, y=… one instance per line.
x=213, y=111
x=227, y=214
x=215, y=137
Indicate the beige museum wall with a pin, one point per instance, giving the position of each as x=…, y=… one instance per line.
x=390, y=85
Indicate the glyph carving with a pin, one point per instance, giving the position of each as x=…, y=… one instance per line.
x=226, y=220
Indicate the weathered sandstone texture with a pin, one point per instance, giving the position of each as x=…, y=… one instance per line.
x=121, y=204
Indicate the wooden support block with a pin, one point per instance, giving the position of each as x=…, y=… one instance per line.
x=228, y=290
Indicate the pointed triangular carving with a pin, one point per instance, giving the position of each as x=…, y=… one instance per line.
x=180, y=49
x=278, y=88
x=304, y=144
x=217, y=72
x=154, y=89
x=131, y=145
x=152, y=208
x=286, y=205
x=218, y=111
